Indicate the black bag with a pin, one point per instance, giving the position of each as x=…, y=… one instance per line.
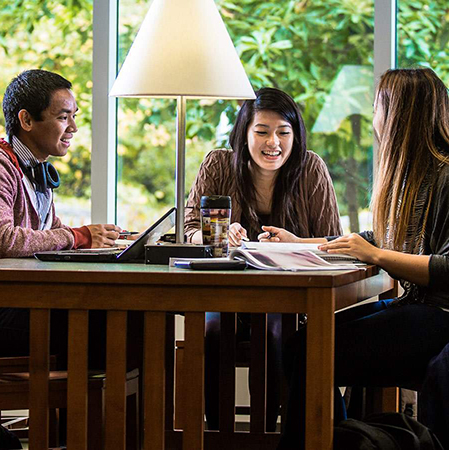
x=8, y=440
x=387, y=431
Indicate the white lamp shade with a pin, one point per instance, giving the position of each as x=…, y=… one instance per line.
x=183, y=49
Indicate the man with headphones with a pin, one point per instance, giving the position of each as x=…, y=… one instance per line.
x=40, y=110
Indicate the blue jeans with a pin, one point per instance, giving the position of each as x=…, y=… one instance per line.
x=376, y=344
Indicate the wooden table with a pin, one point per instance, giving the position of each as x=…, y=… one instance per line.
x=118, y=288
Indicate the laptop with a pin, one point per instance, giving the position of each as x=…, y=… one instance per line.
x=133, y=253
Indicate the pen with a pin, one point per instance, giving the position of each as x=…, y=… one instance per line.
x=270, y=234
x=124, y=234
x=244, y=238
x=127, y=233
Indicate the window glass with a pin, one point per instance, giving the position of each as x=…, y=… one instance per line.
x=423, y=35
x=56, y=37
x=320, y=52
x=147, y=139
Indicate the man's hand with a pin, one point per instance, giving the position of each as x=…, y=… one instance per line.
x=236, y=234
x=103, y=235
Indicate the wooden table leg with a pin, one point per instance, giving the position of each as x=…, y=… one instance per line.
x=77, y=380
x=320, y=369
x=154, y=381
x=39, y=368
x=115, y=407
x=193, y=437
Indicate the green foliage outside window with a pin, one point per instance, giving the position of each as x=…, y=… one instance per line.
x=423, y=35
x=55, y=36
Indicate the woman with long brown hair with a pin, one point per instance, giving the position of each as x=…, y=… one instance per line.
x=390, y=343
x=271, y=178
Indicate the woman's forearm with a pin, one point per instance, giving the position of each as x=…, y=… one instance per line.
x=321, y=240
x=413, y=268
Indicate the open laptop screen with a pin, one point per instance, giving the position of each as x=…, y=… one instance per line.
x=136, y=251
x=133, y=253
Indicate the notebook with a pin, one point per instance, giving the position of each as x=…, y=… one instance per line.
x=133, y=253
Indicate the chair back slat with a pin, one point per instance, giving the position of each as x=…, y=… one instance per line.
x=39, y=368
x=258, y=373
x=77, y=379
x=115, y=395
x=227, y=372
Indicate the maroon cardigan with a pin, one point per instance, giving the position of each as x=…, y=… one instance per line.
x=19, y=222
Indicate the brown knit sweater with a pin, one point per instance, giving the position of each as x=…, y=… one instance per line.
x=317, y=202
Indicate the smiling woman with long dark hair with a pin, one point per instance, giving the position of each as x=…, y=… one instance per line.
x=272, y=179
x=270, y=175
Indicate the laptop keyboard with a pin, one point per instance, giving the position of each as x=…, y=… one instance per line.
x=109, y=250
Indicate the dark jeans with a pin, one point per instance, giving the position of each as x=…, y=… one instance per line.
x=212, y=365
x=433, y=402
x=375, y=345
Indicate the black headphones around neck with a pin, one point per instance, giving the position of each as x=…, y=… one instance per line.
x=44, y=176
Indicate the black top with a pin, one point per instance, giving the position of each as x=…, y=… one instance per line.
x=264, y=219
x=436, y=244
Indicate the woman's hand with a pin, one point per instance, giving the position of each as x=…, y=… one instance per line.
x=236, y=234
x=274, y=234
x=353, y=245
x=414, y=268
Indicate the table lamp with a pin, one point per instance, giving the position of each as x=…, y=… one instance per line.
x=181, y=51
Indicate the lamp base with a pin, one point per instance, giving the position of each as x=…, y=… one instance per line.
x=161, y=253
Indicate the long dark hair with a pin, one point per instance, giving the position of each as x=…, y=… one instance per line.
x=286, y=189
x=413, y=143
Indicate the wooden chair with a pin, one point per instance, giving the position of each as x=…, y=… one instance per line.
x=243, y=352
x=19, y=424
x=14, y=393
x=232, y=356
x=377, y=399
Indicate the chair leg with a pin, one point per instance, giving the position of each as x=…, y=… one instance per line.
x=132, y=415
x=382, y=400
x=94, y=419
x=179, y=387
x=53, y=438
